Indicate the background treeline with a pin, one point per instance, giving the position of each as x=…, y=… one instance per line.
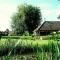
x=4, y=33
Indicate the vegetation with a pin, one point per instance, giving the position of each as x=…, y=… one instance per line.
x=27, y=18
x=21, y=48
x=58, y=17
x=27, y=47
x=4, y=33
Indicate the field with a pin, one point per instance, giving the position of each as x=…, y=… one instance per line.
x=29, y=48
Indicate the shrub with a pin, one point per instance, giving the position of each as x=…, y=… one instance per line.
x=26, y=33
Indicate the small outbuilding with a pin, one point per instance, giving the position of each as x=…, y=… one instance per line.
x=47, y=27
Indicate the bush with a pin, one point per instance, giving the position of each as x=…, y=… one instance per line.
x=26, y=33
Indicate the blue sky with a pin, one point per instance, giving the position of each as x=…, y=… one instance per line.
x=50, y=10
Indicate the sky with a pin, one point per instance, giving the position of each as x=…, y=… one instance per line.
x=50, y=10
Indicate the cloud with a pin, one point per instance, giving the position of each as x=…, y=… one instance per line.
x=6, y=11
x=57, y=11
x=48, y=11
x=44, y=5
x=53, y=14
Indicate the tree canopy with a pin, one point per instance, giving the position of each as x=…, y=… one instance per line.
x=27, y=18
x=58, y=17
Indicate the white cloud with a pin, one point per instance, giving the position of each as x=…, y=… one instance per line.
x=51, y=14
x=44, y=5
x=57, y=11
x=48, y=11
x=6, y=11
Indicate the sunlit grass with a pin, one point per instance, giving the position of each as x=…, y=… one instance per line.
x=44, y=47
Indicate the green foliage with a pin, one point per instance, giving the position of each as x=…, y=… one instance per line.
x=3, y=33
x=26, y=33
x=22, y=47
x=25, y=45
x=10, y=37
x=43, y=49
x=0, y=34
x=58, y=17
x=58, y=32
x=17, y=37
x=27, y=18
x=55, y=35
x=33, y=17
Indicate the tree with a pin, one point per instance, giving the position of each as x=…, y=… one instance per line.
x=58, y=17
x=0, y=34
x=27, y=18
x=6, y=32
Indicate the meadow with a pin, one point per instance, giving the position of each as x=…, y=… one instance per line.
x=29, y=48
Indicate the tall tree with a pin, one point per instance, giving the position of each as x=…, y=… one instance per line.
x=27, y=17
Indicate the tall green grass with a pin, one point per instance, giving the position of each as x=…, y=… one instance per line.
x=44, y=49
x=16, y=37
